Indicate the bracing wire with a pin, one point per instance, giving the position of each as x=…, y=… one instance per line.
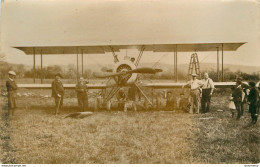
x=204, y=58
x=157, y=62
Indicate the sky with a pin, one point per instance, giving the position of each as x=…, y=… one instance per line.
x=81, y=22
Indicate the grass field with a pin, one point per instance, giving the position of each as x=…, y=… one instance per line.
x=35, y=135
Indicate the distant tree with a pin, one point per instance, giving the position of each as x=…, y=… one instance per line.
x=52, y=70
x=231, y=76
x=4, y=68
x=20, y=70
x=87, y=73
x=71, y=72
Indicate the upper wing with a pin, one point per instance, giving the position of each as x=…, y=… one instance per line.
x=101, y=49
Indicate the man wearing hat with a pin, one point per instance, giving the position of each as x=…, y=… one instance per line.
x=11, y=91
x=207, y=90
x=238, y=97
x=81, y=89
x=195, y=85
x=253, y=99
x=58, y=91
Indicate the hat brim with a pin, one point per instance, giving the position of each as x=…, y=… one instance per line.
x=58, y=75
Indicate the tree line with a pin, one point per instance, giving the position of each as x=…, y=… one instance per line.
x=70, y=72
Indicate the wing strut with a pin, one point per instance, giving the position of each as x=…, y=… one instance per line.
x=115, y=56
x=143, y=93
x=139, y=56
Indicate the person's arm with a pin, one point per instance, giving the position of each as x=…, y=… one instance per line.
x=7, y=86
x=188, y=83
x=212, y=86
x=79, y=88
x=14, y=86
x=54, y=89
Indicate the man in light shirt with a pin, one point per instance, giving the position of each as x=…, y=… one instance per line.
x=207, y=90
x=195, y=85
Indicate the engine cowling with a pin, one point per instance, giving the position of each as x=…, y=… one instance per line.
x=124, y=66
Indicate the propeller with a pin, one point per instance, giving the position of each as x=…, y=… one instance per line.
x=102, y=75
x=146, y=70
x=143, y=70
x=106, y=69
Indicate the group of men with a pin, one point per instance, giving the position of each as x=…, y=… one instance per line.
x=200, y=93
x=58, y=93
x=81, y=89
x=241, y=96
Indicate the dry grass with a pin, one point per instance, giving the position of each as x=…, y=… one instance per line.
x=224, y=139
x=105, y=137
x=37, y=136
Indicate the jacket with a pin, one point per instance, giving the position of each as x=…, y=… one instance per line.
x=57, y=88
x=253, y=96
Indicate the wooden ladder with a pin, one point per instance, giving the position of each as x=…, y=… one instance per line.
x=194, y=66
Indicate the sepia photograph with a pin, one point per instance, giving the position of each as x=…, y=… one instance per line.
x=130, y=82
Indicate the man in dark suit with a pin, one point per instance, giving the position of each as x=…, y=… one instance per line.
x=253, y=99
x=11, y=91
x=58, y=92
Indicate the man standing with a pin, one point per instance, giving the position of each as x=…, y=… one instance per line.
x=195, y=85
x=253, y=99
x=81, y=89
x=207, y=90
x=237, y=97
x=58, y=92
x=11, y=91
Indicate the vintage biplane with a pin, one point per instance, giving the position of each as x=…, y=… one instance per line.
x=125, y=72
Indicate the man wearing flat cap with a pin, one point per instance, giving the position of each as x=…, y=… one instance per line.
x=58, y=92
x=11, y=91
x=195, y=85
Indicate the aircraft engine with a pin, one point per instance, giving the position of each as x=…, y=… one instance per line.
x=124, y=66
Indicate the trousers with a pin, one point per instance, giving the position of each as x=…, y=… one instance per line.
x=205, y=101
x=238, y=108
x=195, y=101
x=253, y=111
x=82, y=101
x=57, y=101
